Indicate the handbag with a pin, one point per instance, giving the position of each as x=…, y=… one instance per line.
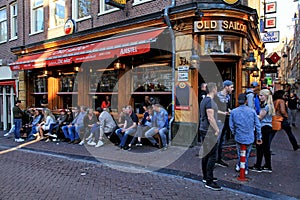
x=276, y=122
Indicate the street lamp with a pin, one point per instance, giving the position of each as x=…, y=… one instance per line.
x=250, y=67
x=194, y=60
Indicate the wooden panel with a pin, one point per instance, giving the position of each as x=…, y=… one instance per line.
x=52, y=92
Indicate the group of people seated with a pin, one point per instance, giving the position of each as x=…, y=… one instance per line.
x=82, y=125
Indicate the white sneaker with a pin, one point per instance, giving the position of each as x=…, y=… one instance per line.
x=19, y=140
x=53, y=135
x=237, y=168
x=92, y=143
x=90, y=137
x=99, y=144
x=7, y=134
x=82, y=142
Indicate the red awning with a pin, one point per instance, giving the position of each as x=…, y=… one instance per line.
x=2, y=83
x=134, y=44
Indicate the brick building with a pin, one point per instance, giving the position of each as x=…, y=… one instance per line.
x=79, y=51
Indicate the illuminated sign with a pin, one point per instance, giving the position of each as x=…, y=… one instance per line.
x=270, y=8
x=230, y=1
x=269, y=37
x=270, y=22
x=220, y=25
x=116, y=3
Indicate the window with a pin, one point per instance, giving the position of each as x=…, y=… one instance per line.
x=105, y=8
x=13, y=20
x=137, y=2
x=221, y=44
x=37, y=16
x=57, y=13
x=3, y=25
x=81, y=8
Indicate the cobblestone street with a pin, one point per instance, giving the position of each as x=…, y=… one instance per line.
x=30, y=175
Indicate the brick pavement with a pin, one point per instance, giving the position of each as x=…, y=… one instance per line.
x=183, y=162
x=25, y=174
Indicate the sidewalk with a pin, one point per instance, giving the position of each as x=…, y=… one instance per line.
x=282, y=183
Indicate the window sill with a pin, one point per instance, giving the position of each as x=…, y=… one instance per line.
x=108, y=11
x=141, y=2
x=55, y=27
x=2, y=42
x=35, y=33
x=12, y=39
x=84, y=18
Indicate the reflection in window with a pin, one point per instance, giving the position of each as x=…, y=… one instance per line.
x=3, y=25
x=221, y=44
x=13, y=20
x=81, y=8
x=57, y=13
x=37, y=16
x=105, y=8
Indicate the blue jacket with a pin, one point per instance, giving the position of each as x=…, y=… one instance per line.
x=160, y=119
x=243, y=120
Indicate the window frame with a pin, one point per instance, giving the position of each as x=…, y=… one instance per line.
x=13, y=20
x=52, y=8
x=34, y=26
x=75, y=13
x=138, y=2
x=103, y=11
x=4, y=20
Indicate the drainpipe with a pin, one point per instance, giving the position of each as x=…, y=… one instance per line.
x=172, y=34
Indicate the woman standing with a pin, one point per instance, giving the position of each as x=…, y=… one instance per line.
x=267, y=110
x=281, y=110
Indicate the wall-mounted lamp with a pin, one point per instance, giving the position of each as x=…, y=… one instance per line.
x=118, y=65
x=76, y=69
x=194, y=60
x=199, y=13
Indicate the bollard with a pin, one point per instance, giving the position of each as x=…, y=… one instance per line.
x=242, y=176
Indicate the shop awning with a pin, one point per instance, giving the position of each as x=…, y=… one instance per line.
x=133, y=44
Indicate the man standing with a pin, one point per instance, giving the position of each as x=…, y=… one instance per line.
x=252, y=97
x=18, y=115
x=209, y=131
x=223, y=102
x=242, y=122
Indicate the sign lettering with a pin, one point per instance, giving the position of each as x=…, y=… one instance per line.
x=270, y=22
x=219, y=25
x=270, y=8
x=271, y=36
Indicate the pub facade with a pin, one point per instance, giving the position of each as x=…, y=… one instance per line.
x=160, y=49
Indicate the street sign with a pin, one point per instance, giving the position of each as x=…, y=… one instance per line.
x=269, y=37
x=268, y=69
x=270, y=8
x=270, y=22
x=273, y=58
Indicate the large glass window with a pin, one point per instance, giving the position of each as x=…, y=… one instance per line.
x=3, y=25
x=218, y=44
x=57, y=13
x=13, y=20
x=37, y=16
x=105, y=8
x=81, y=8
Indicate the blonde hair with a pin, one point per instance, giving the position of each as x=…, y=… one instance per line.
x=47, y=112
x=269, y=100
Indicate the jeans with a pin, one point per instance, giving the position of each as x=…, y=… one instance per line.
x=222, y=137
x=139, y=132
x=263, y=150
x=209, y=155
x=65, y=131
x=72, y=132
x=287, y=128
x=248, y=151
x=18, y=125
x=162, y=132
x=124, y=137
x=292, y=115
